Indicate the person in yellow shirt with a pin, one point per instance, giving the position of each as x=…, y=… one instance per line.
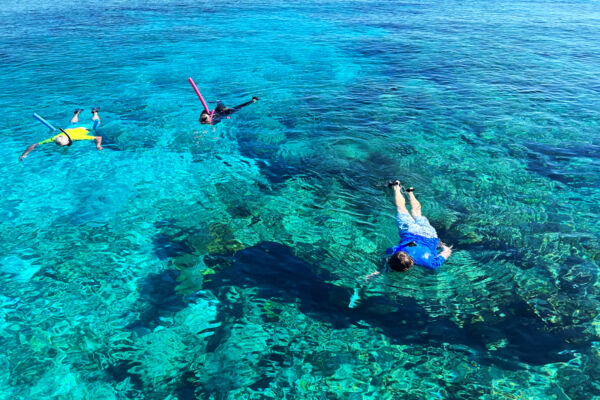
x=72, y=133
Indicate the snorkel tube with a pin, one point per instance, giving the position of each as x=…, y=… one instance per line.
x=46, y=123
x=210, y=113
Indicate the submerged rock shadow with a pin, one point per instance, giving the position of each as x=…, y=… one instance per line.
x=557, y=163
x=276, y=273
x=158, y=299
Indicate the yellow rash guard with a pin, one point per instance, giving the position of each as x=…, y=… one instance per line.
x=75, y=134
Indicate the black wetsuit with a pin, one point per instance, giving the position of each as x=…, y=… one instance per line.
x=222, y=111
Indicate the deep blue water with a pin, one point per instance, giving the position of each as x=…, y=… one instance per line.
x=186, y=261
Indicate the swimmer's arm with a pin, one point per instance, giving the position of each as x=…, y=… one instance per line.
x=440, y=258
x=29, y=150
x=98, y=140
x=254, y=100
x=446, y=252
x=372, y=275
x=355, y=298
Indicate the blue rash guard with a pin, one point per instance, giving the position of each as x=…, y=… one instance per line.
x=424, y=253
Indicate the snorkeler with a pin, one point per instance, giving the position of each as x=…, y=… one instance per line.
x=72, y=133
x=221, y=111
x=418, y=239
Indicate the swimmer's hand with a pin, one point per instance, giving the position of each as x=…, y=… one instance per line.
x=371, y=276
x=29, y=149
x=446, y=251
x=254, y=99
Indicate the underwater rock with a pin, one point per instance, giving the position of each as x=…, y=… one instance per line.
x=176, y=241
x=222, y=242
x=158, y=299
x=161, y=359
x=555, y=162
x=233, y=363
x=277, y=274
x=224, y=247
x=165, y=247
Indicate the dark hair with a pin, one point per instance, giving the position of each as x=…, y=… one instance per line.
x=400, y=261
x=204, y=113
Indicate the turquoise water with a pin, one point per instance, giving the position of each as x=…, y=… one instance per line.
x=190, y=262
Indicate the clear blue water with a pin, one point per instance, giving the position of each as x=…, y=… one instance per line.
x=184, y=262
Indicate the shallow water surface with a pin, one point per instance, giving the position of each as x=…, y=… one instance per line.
x=186, y=261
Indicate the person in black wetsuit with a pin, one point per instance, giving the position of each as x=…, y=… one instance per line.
x=221, y=111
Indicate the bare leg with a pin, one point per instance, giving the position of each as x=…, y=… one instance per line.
x=76, y=115
x=95, y=116
x=399, y=200
x=415, y=206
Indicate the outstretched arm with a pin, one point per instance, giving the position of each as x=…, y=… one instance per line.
x=254, y=100
x=98, y=140
x=440, y=258
x=355, y=298
x=29, y=149
x=372, y=275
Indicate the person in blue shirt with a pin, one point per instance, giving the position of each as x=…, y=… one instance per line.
x=418, y=239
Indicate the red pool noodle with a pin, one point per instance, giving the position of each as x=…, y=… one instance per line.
x=199, y=95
